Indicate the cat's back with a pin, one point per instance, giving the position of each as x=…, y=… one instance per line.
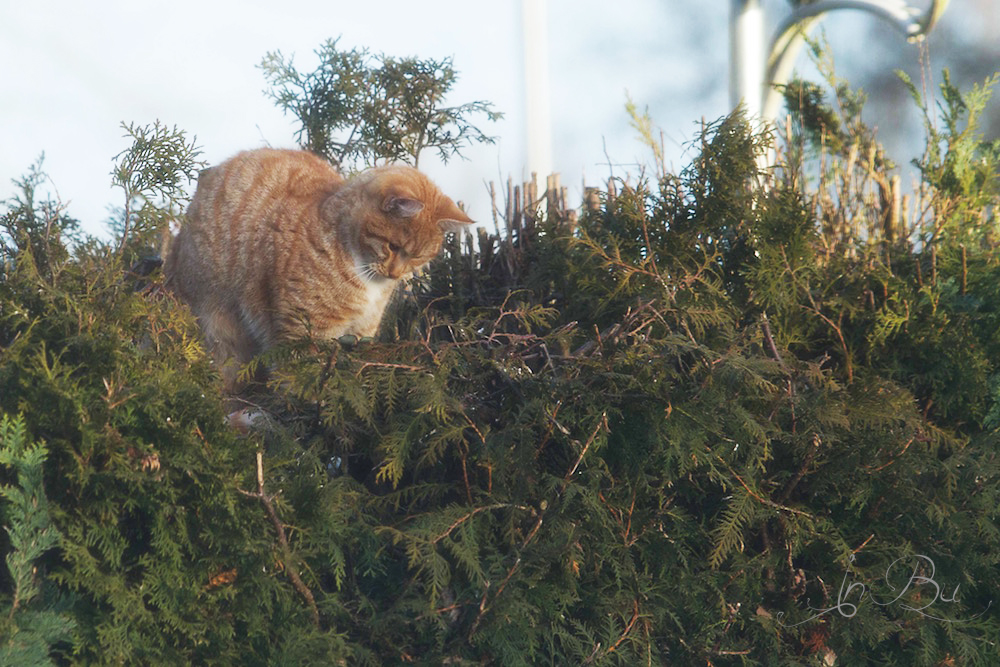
x=246, y=212
x=257, y=184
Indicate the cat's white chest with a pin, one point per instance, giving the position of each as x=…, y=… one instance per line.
x=367, y=321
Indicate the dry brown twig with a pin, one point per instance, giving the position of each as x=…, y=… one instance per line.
x=286, y=551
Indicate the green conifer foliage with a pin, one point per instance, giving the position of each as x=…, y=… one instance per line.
x=356, y=108
x=715, y=422
x=29, y=632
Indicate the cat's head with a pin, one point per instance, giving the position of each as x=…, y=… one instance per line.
x=400, y=218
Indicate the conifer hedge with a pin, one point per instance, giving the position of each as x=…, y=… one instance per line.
x=733, y=416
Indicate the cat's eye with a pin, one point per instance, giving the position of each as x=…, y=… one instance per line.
x=393, y=247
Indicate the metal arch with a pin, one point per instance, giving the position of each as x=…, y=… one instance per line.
x=789, y=38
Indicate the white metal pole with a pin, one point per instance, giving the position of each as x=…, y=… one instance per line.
x=538, y=114
x=747, y=55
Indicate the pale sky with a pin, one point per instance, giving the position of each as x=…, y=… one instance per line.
x=72, y=71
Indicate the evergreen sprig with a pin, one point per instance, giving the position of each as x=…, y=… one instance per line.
x=356, y=108
x=152, y=174
x=30, y=627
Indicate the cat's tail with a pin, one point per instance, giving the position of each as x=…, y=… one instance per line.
x=166, y=241
x=169, y=236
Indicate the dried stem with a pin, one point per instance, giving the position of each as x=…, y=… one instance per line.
x=286, y=552
x=766, y=327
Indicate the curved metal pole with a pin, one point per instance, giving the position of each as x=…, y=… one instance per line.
x=790, y=37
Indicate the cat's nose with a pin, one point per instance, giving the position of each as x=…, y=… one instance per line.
x=396, y=269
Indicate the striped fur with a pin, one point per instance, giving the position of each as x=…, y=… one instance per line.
x=276, y=243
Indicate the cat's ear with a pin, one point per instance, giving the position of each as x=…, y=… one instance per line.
x=401, y=206
x=451, y=218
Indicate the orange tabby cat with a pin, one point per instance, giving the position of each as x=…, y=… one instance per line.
x=276, y=243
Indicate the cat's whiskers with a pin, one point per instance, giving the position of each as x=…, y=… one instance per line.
x=367, y=271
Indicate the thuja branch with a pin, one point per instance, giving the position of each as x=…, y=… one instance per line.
x=152, y=174
x=286, y=550
x=485, y=603
x=806, y=463
x=597, y=654
x=814, y=307
x=757, y=496
x=486, y=508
